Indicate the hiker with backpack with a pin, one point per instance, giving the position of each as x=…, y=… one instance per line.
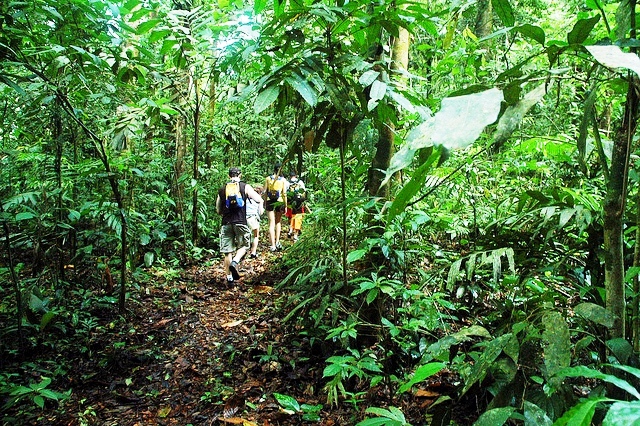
x=296, y=196
x=235, y=234
x=254, y=213
x=276, y=187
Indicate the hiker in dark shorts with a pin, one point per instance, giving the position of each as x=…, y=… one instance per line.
x=275, y=190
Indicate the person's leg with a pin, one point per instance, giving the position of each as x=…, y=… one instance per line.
x=226, y=248
x=278, y=228
x=254, y=241
x=242, y=241
x=271, y=215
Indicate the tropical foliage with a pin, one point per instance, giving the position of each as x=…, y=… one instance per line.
x=475, y=207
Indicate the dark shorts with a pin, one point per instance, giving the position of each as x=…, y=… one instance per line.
x=275, y=206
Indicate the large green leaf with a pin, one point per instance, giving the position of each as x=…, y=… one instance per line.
x=266, y=98
x=421, y=374
x=504, y=11
x=582, y=29
x=589, y=373
x=532, y=31
x=623, y=413
x=457, y=125
x=557, y=352
x=412, y=187
x=613, y=57
x=492, y=350
x=580, y=414
x=495, y=417
x=303, y=88
x=515, y=113
x=595, y=313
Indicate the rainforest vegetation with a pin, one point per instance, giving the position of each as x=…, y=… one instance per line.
x=471, y=257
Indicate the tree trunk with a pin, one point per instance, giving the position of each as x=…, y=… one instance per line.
x=614, y=205
x=195, y=169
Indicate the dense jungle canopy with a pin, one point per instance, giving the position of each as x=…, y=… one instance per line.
x=472, y=250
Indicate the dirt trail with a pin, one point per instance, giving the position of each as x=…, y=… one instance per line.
x=195, y=352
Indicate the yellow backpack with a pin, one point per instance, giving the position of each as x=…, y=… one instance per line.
x=275, y=188
x=233, y=195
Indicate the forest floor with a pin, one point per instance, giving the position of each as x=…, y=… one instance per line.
x=194, y=351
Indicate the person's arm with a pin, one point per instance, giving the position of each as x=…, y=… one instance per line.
x=251, y=193
x=218, y=204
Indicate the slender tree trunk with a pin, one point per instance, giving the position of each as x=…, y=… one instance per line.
x=614, y=205
x=57, y=137
x=195, y=169
x=12, y=271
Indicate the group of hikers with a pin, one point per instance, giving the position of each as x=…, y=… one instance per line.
x=242, y=206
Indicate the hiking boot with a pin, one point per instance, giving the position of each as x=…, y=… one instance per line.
x=295, y=238
x=233, y=268
x=253, y=256
x=273, y=249
x=278, y=246
x=230, y=282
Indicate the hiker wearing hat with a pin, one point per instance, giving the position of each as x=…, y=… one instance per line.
x=296, y=197
x=235, y=235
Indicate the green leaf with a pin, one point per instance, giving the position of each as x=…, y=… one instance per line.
x=503, y=9
x=532, y=31
x=147, y=26
x=495, y=416
x=614, y=57
x=534, y=415
x=378, y=90
x=303, y=88
x=25, y=216
x=411, y=188
x=39, y=401
x=368, y=77
x=514, y=114
x=421, y=374
x=586, y=372
x=580, y=414
x=356, y=255
x=623, y=413
x=458, y=124
x=581, y=30
x=287, y=402
x=149, y=257
x=491, y=352
x=258, y=6
x=266, y=98
x=595, y=313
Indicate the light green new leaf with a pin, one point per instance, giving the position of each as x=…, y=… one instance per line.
x=457, y=125
x=421, y=374
x=147, y=26
x=266, y=98
x=613, y=57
